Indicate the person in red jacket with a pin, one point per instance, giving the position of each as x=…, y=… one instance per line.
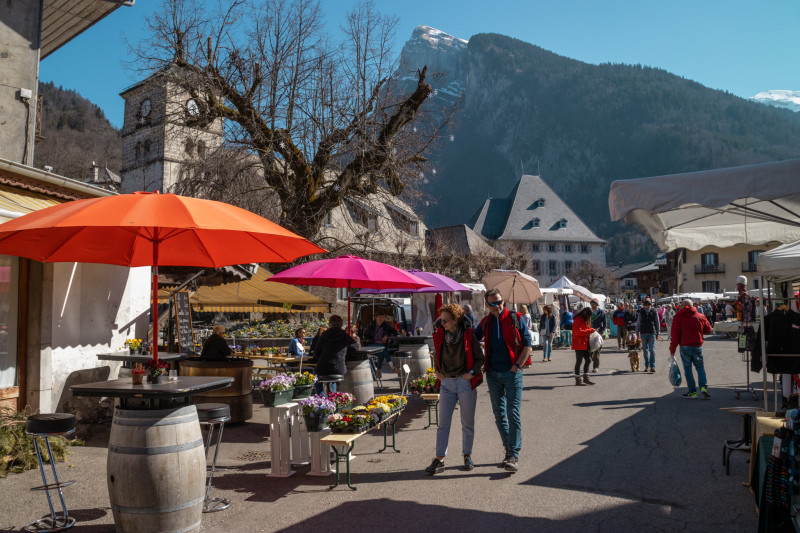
x=688, y=328
x=581, y=329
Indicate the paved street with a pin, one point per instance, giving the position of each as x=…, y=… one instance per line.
x=628, y=454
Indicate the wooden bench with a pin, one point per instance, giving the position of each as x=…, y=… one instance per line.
x=433, y=405
x=347, y=441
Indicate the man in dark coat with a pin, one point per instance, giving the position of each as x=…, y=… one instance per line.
x=334, y=345
x=216, y=347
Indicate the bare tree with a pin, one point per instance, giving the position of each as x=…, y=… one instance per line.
x=325, y=119
x=595, y=277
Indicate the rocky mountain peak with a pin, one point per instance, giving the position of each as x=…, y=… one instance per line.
x=445, y=56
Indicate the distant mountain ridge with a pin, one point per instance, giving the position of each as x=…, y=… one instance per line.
x=779, y=98
x=580, y=126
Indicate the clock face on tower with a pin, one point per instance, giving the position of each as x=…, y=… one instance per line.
x=144, y=108
x=192, y=107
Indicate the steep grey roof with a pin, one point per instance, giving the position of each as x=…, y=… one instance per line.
x=461, y=239
x=649, y=267
x=624, y=271
x=490, y=218
x=528, y=221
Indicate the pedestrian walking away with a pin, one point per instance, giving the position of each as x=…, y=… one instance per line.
x=581, y=330
x=566, y=326
x=599, y=324
x=547, y=330
x=507, y=345
x=647, y=326
x=459, y=363
x=688, y=329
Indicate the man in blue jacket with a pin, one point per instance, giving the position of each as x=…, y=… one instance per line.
x=507, y=345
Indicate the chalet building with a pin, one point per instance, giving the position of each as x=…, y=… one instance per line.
x=535, y=221
x=713, y=269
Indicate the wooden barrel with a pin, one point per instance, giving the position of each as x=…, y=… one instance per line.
x=358, y=381
x=238, y=396
x=156, y=470
x=420, y=360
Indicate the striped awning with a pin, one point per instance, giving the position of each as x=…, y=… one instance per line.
x=255, y=295
x=15, y=200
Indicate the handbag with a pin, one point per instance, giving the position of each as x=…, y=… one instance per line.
x=674, y=372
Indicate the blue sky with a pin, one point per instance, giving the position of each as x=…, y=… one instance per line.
x=742, y=47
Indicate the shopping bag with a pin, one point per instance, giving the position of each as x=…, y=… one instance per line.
x=674, y=372
x=595, y=341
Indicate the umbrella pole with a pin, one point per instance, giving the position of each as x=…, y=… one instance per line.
x=348, y=307
x=155, y=299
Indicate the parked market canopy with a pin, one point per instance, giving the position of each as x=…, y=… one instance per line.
x=753, y=204
x=780, y=263
x=254, y=295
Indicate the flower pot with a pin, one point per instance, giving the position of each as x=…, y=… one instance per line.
x=157, y=380
x=302, y=391
x=137, y=378
x=315, y=423
x=273, y=399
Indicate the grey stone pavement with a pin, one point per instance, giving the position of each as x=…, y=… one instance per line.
x=628, y=454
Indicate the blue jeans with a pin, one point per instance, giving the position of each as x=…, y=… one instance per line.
x=319, y=388
x=547, y=346
x=693, y=355
x=382, y=356
x=649, y=349
x=505, y=391
x=454, y=390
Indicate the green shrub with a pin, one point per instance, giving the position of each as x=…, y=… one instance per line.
x=17, y=453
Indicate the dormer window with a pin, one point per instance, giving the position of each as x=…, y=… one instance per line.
x=562, y=223
x=540, y=202
x=535, y=223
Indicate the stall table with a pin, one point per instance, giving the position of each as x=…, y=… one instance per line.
x=156, y=467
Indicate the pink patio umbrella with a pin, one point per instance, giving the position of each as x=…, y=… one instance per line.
x=349, y=271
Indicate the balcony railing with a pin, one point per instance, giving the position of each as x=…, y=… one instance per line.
x=709, y=269
x=749, y=267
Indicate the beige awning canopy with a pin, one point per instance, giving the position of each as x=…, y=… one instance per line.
x=254, y=295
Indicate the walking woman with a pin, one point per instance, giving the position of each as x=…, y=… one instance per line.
x=581, y=330
x=459, y=360
x=547, y=329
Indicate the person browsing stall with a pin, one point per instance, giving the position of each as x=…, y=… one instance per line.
x=507, y=345
x=459, y=360
x=378, y=332
x=334, y=345
x=216, y=347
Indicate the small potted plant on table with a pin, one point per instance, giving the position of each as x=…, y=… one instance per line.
x=277, y=390
x=303, y=384
x=137, y=373
x=134, y=346
x=343, y=400
x=158, y=371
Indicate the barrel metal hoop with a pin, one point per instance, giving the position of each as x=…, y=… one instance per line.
x=171, y=421
x=184, y=530
x=157, y=450
x=158, y=510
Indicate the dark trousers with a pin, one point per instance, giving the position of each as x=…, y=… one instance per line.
x=622, y=332
x=582, y=356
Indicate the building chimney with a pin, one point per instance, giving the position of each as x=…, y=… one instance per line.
x=95, y=172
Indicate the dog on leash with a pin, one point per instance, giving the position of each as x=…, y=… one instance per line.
x=633, y=355
x=633, y=341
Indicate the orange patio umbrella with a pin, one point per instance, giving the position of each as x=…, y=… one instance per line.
x=151, y=229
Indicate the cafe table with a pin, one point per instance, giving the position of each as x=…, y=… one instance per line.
x=156, y=467
x=128, y=359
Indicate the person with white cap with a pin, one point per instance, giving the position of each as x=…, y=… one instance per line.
x=688, y=329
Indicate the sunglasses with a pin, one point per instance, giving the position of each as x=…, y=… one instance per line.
x=495, y=304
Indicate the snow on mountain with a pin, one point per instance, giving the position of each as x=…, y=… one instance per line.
x=445, y=56
x=779, y=98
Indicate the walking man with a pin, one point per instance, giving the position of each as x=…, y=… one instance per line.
x=599, y=325
x=507, y=345
x=647, y=325
x=688, y=328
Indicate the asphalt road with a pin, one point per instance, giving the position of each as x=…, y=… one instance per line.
x=628, y=454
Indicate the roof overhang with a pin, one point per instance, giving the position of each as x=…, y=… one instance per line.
x=63, y=20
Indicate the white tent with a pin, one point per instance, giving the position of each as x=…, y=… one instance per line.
x=753, y=204
x=578, y=290
x=782, y=262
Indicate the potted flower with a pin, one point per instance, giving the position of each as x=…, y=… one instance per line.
x=316, y=410
x=277, y=390
x=134, y=346
x=378, y=410
x=158, y=371
x=427, y=384
x=343, y=400
x=303, y=384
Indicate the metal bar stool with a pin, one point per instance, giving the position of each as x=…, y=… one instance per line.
x=212, y=415
x=743, y=444
x=45, y=426
x=326, y=381
x=373, y=365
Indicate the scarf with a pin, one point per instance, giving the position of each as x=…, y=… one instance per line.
x=454, y=338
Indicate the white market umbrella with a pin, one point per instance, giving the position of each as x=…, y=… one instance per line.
x=513, y=285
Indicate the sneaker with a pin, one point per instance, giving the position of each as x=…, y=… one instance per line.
x=689, y=395
x=468, y=464
x=505, y=460
x=594, y=370
x=652, y=370
x=512, y=465
x=436, y=467
x=705, y=393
